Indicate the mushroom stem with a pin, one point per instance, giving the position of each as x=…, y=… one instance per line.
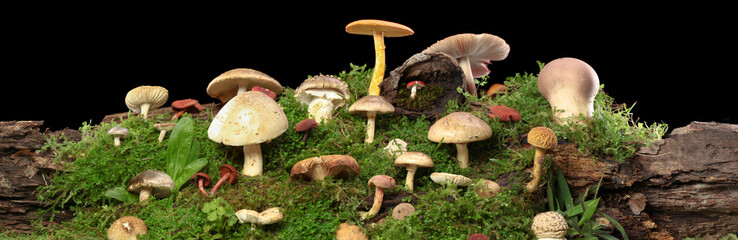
x=145, y=110
x=162, y=134
x=378, y=197
x=410, y=176
x=116, y=141
x=379, y=63
x=320, y=109
x=469, y=78
x=462, y=155
x=537, y=169
x=252, y=160
x=144, y=194
x=370, y=122
x=177, y=115
x=200, y=185
x=413, y=90
x=242, y=89
x=220, y=182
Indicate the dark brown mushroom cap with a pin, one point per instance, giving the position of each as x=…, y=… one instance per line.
x=305, y=125
x=228, y=169
x=200, y=175
x=161, y=183
x=316, y=168
x=382, y=181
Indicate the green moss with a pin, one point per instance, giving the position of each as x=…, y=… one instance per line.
x=425, y=98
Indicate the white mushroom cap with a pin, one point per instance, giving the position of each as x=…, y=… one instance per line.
x=396, y=146
x=143, y=99
x=569, y=84
x=417, y=159
x=249, y=118
x=458, y=180
x=549, y=225
x=118, y=131
x=127, y=228
x=323, y=94
x=228, y=84
x=266, y=217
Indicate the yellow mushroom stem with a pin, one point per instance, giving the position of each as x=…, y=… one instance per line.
x=379, y=63
x=253, y=162
x=411, y=169
x=370, y=122
x=462, y=155
x=537, y=169
x=378, y=197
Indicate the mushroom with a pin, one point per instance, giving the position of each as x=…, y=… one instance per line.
x=474, y=52
x=266, y=217
x=503, y=113
x=414, y=86
x=317, y=168
x=202, y=180
x=371, y=105
x=543, y=139
x=348, y=231
x=396, y=146
x=402, y=210
x=127, y=228
x=460, y=128
x=411, y=161
x=322, y=94
x=477, y=236
x=549, y=225
x=495, y=90
x=143, y=99
x=305, y=126
x=268, y=92
x=247, y=120
x=379, y=182
x=488, y=189
x=232, y=82
x=163, y=129
x=151, y=183
x=444, y=178
x=118, y=133
x=228, y=174
x=378, y=29
x=570, y=86
x=185, y=105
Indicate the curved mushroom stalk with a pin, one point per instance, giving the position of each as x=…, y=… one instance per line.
x=537, y=170
x=378, y=198
x=253, y=163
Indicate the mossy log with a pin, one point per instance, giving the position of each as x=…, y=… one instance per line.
x=685, y=185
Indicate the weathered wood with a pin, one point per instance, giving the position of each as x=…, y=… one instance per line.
x=207, y=109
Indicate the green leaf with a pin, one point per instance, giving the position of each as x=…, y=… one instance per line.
x=589, y=210
x=616, y=224
x=122, y=195
x=182, y=153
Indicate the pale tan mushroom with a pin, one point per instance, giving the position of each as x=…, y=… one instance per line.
x=232, y=82
x=460, y=128
x=395, y=147
x=118, y=133
x=163, y=129
x=348, y=231
x=549, y=225
x=402, y=210
x=570, y=86
x=127, y=228
x=371, y=105
x=266, y=217
x=247, y=120
x=322, y=94
x=488, y=189
x=317, y=168
x=411, y=161
x=445, y=178
x=143, y=99
x=151, y=183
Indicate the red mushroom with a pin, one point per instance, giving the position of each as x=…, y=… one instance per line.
x=414, y=86
x=227, y=174
x=305, y=126
x=185, y=105
x=503, y=113
x=265, y=91
x=202, y=180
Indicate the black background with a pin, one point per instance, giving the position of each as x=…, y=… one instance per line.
x=70, y=64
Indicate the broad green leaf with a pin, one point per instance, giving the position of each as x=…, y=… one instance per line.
x=122, y=195
x=183, y=152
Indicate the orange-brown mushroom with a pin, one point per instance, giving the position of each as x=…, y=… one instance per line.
x=185, y=105
x=228, y=174
x=317, y=168
x=503, y=113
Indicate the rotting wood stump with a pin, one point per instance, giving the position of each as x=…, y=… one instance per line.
x=685, y=185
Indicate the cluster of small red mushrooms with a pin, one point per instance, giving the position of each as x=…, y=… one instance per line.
x=251, y=116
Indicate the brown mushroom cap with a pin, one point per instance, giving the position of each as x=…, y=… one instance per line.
x=402, y=210
x=503, y=113
x=305, y=125
x=458, y=180
x=488, y=188
x=228, y=169
x=542, y=137
x=550, y=225
x=417, y=159
x=200, y=175
x=165, y=126
x=382, y=181
x=569, y=84
x=371, y=103
x=249, y=118
x=161, y=183
x=350, y=232
x=369, y=26
x=317, y=168
x=459, y=127
x=152, y=96
x=188, y=105
x=227, y=85
x=127, y=227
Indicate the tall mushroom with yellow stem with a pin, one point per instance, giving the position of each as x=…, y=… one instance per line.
x=323, y=94
x=378, y=29
x=570, y=86
x=371, y=105
x=460, y=128
x=238, y=80
x=247, y=120
x=543, y=139
x=143, y=99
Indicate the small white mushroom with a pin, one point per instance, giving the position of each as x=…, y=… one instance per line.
x=266, y=217
x=118, y=133
x=163, y=129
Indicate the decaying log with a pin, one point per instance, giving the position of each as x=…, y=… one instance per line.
x=207, y=109
x=685, y=185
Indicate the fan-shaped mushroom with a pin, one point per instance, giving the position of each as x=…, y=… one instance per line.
x=143, y=99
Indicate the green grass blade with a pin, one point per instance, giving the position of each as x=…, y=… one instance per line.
x=616, y=224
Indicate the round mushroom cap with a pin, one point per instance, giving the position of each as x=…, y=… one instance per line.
x=155, y=96
x=248, y=118
x=165, y=126
x=371, y=103
x=323, y=86
x=200, y=175
x=127, y=227
x=118, y=131
x=542, y=137
x=480, y=48
x=396, y=146
x=382, y=181
x=226, y=85
x=549, y=224
x=477, y=236
x=417, y=159
x=458, y=180
x=161, y=183
x=459, y=127
x=317, y=168
x=402, y=210
x=369, y=26
x=350, y=232
x=488, y=188
x=228, y=169
x=569, y=84
x=305, y=125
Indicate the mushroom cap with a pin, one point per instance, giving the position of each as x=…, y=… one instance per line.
x=268, y=216
x=480, y=48
x=226, y=85
x=127, y=227
x=165, y=126
x=459, y=127
x=396, y=146
x=348, y=231
x=496, y=89
x=323, y=86
x=569, y=84
x=402, y=210
x=542, y=137
x=248, y=118
x=228, y=169
x=200, y=175
x=503, y=113
x=549, y=224
x=155, y=96
x=458, y=180
x=118, y=131
x=161, y=183
x=488, y=188
x=382, y=181
x=369, y=26
x=316, y=168
x=189, y=105
x=418, y=159
x=417, y=84
x=371, y=103
x=477, y=236
x=305, y=125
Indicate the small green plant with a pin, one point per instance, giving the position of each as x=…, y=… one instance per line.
x=183, y=153
x=220, y=215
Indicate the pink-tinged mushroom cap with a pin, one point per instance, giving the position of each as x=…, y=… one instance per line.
x=570, y=86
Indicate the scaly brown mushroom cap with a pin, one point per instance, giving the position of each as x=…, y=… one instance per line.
x=143, y=99
x=543, y=139
x=232, y=82
x=127, y=228
x=549, y=225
